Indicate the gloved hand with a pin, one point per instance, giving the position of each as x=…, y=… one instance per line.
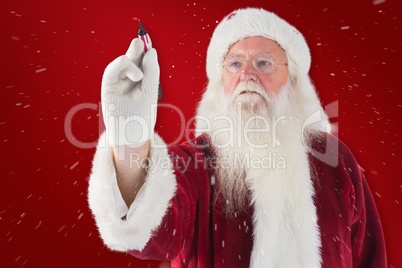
x=129, y=95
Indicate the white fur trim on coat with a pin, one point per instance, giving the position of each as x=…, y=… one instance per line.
x=146, y=212
x=286, y=232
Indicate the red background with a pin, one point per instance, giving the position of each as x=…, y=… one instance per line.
x=53, y=57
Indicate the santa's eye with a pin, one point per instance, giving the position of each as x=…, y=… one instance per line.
x=235, y=64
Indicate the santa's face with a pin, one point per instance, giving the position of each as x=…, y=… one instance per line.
x=248, y=49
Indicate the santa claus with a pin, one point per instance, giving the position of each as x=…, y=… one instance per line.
x=264, y=184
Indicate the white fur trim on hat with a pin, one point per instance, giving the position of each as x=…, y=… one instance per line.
x=250, y=22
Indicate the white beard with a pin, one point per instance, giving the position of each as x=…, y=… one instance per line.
x=268, y=170
x=246, y=157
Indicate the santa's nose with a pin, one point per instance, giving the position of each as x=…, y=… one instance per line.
x=248, y=73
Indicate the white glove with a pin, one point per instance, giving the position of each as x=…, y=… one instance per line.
x=129, y=95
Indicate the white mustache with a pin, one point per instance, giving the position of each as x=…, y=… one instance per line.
x=249, y=87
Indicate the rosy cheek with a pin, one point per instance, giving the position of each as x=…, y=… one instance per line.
x=273, y=82
x=230, y=82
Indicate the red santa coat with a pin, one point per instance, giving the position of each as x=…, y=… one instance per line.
x=191, y=229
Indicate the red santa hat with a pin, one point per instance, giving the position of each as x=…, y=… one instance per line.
x=250, y=22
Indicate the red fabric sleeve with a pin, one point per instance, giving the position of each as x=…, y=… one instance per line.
x=351, y=231
x=367, y=238
x=368, y=245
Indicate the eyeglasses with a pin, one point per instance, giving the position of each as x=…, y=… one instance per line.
x=262, y=63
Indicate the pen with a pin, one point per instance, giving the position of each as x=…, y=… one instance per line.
x=143, y=35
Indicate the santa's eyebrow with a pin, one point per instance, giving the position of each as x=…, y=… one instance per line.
x=234, y=55
x=243, y=56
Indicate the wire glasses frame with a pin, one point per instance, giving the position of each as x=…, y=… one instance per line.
x=263, y=63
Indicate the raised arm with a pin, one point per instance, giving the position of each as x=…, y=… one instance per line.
x=129, y=97
x=119, y=176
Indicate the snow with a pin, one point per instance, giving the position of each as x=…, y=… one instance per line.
x=377, y=2
x=39, y=224
x=40, y=70
x=74, y=165
x=61, y=228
